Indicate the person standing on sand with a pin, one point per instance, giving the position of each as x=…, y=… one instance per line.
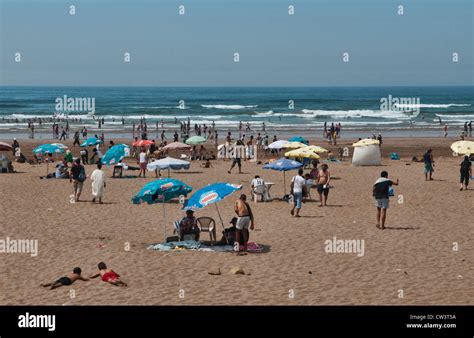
x=322, y=184
x=466, y=172
x=429, y=165
x=381, y=194
x=78, y=176
x=143, y=161
x=244, y=219
x=445, y=130
x=98, y=183
x=76, y=139
x=298, y=186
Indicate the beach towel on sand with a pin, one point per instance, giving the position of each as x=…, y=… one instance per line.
x=198, y=246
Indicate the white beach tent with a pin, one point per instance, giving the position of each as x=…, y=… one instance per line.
x=168, y=163
x=366, y=153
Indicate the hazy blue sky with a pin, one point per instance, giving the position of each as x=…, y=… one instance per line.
x=275, y=48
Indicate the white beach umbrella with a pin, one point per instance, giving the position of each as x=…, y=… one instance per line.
x=277, y=144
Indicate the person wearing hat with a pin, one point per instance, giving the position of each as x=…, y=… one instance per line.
x=188, y=226
x=228, y=235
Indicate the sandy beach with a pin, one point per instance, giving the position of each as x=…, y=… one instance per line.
x=414, y=254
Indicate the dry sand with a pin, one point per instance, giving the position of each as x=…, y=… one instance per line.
x=414, y=254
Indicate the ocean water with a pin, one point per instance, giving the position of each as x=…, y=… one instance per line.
x=354, y=107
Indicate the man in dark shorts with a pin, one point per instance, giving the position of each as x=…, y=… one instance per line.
x=322, y=184
x=381, y=195
x=429, y=164
x=466, y=172
x=238, y=157
x=67, y=280
x=78, y=176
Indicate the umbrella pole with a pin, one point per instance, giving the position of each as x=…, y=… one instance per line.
x=222, y=223
x=168, y=172
x=164, y=217
x=284, y=182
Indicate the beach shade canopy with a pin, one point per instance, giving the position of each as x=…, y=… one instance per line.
x=161, y=190
x=142, y=143
x=195, y=140
x=91, y=141
x=316, y=149
x=302, y=153
x=48, y=149
x=115, y=154
x=5, y=147
x=463, y=147
x=213, y=193
x=60, y=145
x=277, y=144
x=283, y=164
x=294, y=145
x=176, y=145
x=367, y=155
x=366, y=142
x=299, y=139
x=168, y=163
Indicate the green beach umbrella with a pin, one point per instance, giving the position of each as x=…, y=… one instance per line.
x=196, y=140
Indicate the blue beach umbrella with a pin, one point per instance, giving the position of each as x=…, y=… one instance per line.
x=48, y=149
x=283, y=164
x=211, y=194
x=91, y=141
x=161, y=191
x=116, y=154
x=298, y=139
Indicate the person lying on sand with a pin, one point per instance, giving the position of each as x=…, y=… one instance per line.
x=108, y=275
x=71, y=278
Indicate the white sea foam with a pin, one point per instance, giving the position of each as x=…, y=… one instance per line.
x=423, y=105
x=387, y=114
x=225, y=106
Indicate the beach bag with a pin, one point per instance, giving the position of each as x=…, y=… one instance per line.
x=391, y=192
x=394, y=156
x=82, y=175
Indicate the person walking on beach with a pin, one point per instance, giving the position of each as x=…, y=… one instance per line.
x=238, y=152
x=298, y=186
x=143, y=161
x=470, y=128
x=322, y=184
x=66, y=280
x=380, y=193
x=108, y=275
x=244, y=220
x=429, y=164
x=98, y=183
x=445, y=130
x=76, y=139
x=466, y=172
x=78, y=176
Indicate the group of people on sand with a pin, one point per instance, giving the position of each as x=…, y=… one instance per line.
x=107, y=275
x=78, y=177
x=238, y=233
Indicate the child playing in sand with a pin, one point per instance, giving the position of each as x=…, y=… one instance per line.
x=108, y=275
x=71, y=278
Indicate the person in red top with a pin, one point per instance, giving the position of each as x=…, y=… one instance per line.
x=108, y=275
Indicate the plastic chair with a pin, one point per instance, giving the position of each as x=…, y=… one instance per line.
x=259, y=191
x=207, y=224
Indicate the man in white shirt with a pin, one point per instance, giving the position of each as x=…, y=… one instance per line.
x=256, y=182
x=298, y=186
x=143, y=160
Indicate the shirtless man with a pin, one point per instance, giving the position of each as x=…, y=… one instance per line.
x=67, y=280
x=108, y=275
x=322, y=184
x=244, y=219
